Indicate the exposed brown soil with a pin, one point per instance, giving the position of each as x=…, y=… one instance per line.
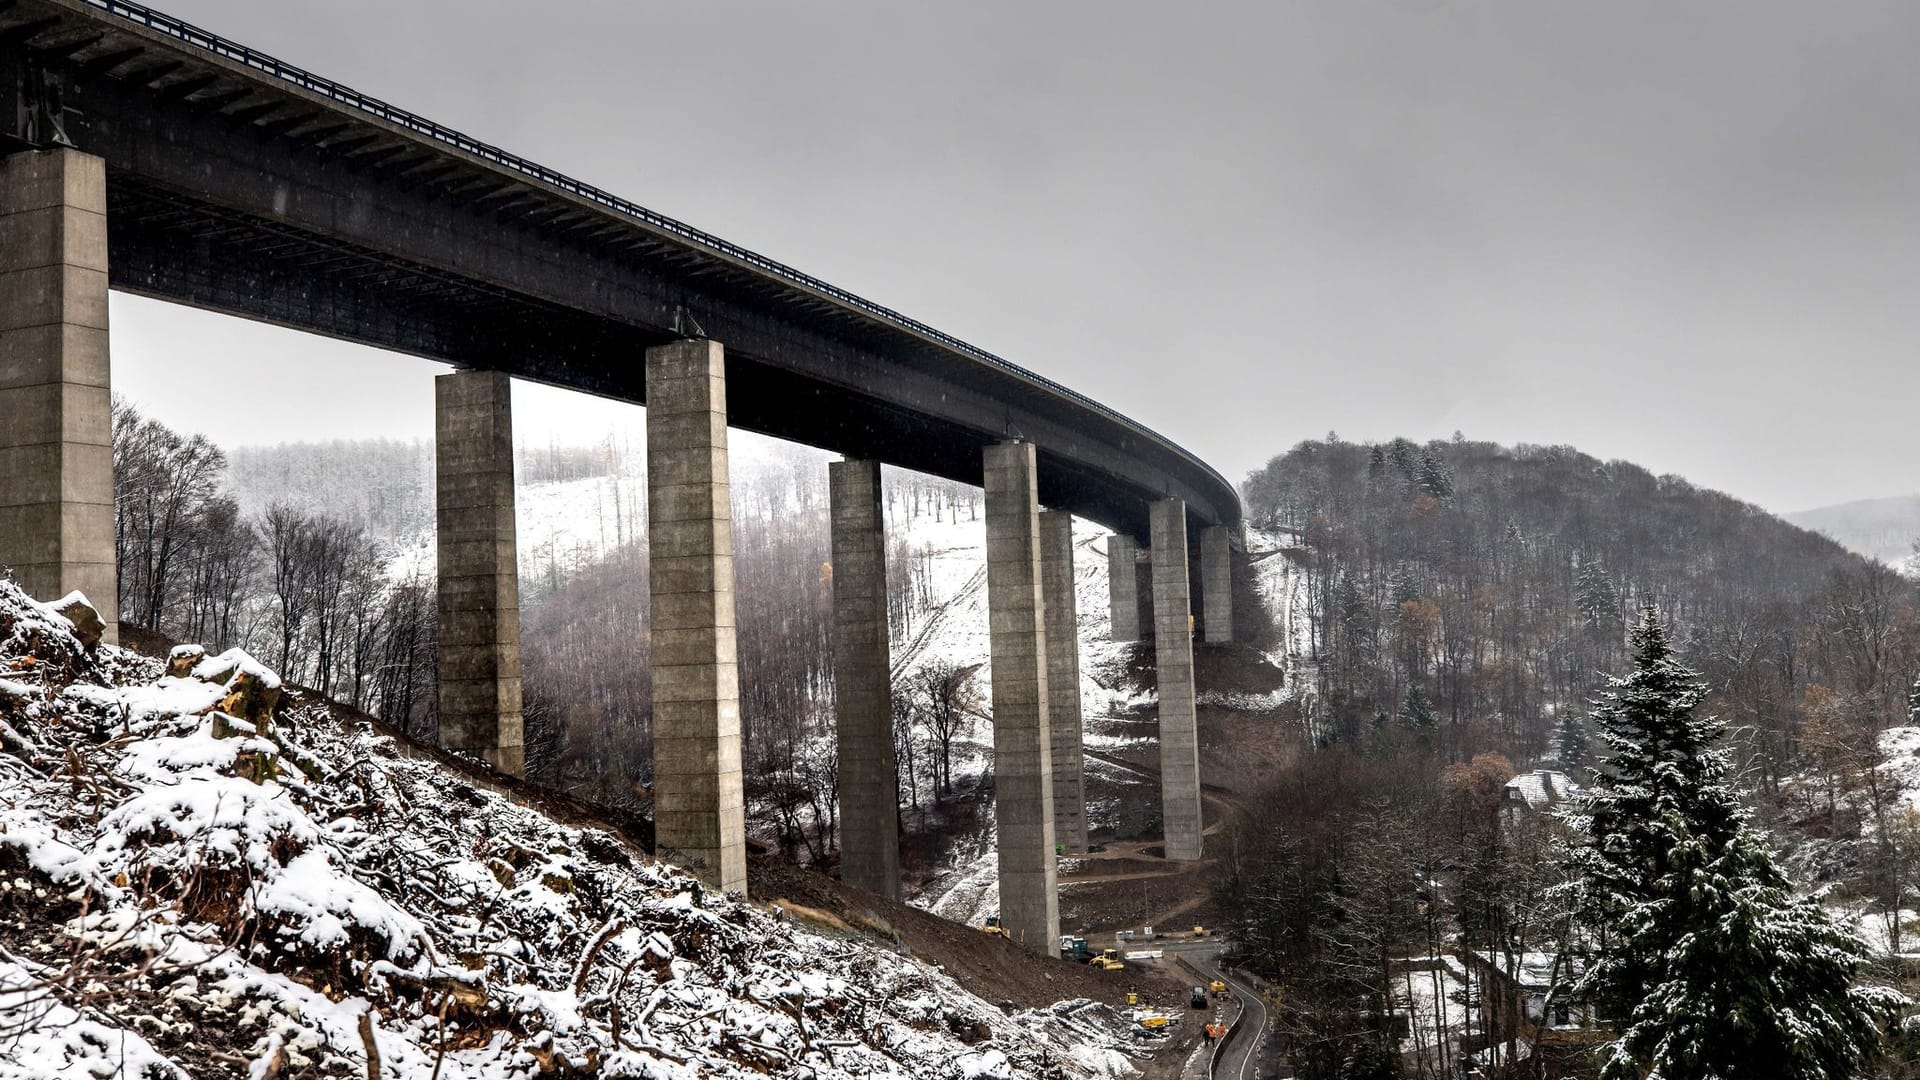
x=1130, y=884
x=988, y=965
x=1245, y=752
x=1111, y=863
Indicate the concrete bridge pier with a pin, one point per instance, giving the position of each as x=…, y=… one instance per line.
x=479, y=566
x=1063, y=681
x=698, y=800
x=862, y=677
x=1123, y=586
x=1216, y=584
x=1173, y=661
x=1022, y=749
x=56, y=419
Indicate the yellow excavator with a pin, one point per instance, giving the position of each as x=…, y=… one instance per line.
x=1151, y=1024
x=993, y=927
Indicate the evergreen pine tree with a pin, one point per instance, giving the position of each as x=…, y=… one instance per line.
x=1406, y=586
x=1400, y=455
x=1357, y=618
x=1434, y=477
x=1570, y=736
x=1416, y=711
x=1710, y=966
x=1595, y=597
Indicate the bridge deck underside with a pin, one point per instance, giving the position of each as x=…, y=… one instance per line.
x=234, y=191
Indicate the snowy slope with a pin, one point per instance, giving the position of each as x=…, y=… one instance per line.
x=163, y=914
x=948, y=558
x=1898, y=776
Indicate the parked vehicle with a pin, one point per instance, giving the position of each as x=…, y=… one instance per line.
x=1199, y=999
x=1148, y=1025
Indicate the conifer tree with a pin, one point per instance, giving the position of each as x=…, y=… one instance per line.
x=1571, y=739
x=1709, y=966
x=1406, y=586
x=1416, y=711
x=1400, y=454
x=1598, y=601
x=1434, y=477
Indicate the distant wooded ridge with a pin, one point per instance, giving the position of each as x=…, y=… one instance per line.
x=1884, y=529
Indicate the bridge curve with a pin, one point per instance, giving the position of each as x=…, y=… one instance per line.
x=144, y=154
x=245, y=185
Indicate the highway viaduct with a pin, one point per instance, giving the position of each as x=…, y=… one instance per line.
x=147, y=155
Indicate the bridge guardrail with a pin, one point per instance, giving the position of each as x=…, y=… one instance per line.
x=231, y=50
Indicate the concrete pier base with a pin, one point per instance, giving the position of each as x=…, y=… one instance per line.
x=698, y=802
x=56, y=418
x=1063, y=681
x=862, y=677
x=1123, y=587
x=1216, y=584
x=479, y=568
x=1022, y=750
x=1173, y=661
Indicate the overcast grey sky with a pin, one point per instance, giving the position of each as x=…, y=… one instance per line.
x=1687, y=234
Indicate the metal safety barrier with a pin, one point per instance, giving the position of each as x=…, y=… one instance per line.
x=1220, y=1044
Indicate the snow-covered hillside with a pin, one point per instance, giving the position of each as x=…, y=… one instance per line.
x=936, y=533
x=1282, y=588
x=948, y=622
x=199, y=876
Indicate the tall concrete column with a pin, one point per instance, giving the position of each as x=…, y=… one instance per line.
x=1173, y=660
x=1216, y=584
x=862, y=678
x=1063, y=681
x=1022, y=749
x=479, y=568
x=698, y=804
x=1123, y=587
x=56, y=419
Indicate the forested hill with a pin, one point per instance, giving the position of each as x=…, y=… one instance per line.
x=1471, y=595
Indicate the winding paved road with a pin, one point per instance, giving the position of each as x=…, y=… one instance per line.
x=1242, y=1056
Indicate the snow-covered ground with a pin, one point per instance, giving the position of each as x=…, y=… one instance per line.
x=1432, y=992
x=195, y=883
x=1872, y=917
x=947, y=556
x=1282, y=587
x=564, y=525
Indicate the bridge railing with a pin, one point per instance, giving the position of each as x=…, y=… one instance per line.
x=231, y=50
